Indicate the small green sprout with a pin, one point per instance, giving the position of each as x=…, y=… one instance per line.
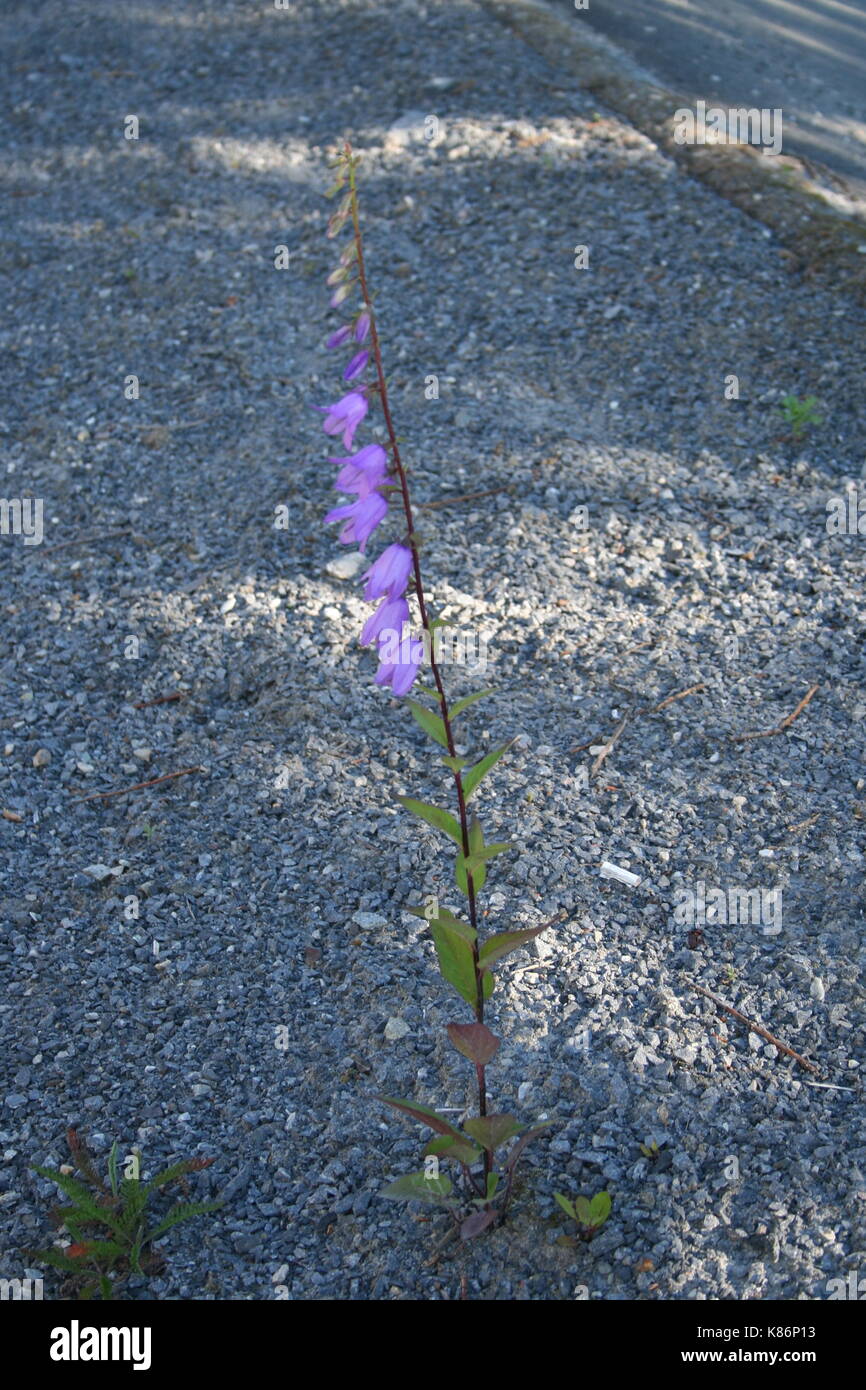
x=589, y=1214
x=650, y=1150
x=800, y=413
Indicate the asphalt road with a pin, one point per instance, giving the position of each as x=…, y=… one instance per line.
x=809, y=59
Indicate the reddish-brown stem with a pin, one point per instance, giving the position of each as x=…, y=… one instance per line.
x=397, y=465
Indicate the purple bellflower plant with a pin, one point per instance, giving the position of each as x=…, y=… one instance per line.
x=395, y=580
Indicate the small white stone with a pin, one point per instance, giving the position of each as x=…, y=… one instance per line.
x=369, y=920
x=101, y=872
x=395, y=1029
x=816, y=989
x=346, y=566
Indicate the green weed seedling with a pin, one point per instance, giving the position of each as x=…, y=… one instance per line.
x=112, y=1234
x=590, y=1214
x=800, y=414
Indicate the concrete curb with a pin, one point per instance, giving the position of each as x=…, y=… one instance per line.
x=818, y=239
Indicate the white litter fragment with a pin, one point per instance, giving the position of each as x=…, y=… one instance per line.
x=621, y=875
x=395, y=1029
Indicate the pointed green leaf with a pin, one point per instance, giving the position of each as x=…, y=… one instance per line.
x=488, y=983
x=133, y=1197
x=490, y=851
x=462, y=928
x=85, y=1206
x=417, y=688
x=472, y=864
x=182, y=1212
x=584, y=1211
x=456, y=961
x=417, y=1187
x=56, y=1259
x=429, y=722
x=455, y=764
x=424, y=1115
x=475, y=1041
x=172, y=1173
x=566, y=1205
x=492, y=1130
x=463, y=867
x=599, y=1208
x=463, y=1150
x=435, y=816
x=475, y=774
x=492, y=1184
x=468, y=700
x=495, y=947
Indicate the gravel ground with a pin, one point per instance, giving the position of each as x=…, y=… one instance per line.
x=271, y=884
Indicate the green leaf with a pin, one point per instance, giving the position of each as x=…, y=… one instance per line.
x=599, y=1208
x=468, y=933
x=435, y=816
x=475, y=774
x=463, y=1150
x=492, y=1130
x=171, y=1174
x=584, y=1211
x=456, y=961
x=472, y=864
x=491, y=851
x=463, y=867
x=133, y=1199
x=424, y=1115
x=492, y=1184
x=85, y=1205
x=468, y=700
x=418, y=1187
x=184, y=1211
x=488, y=983
x=418, y=688
x=495, y=947
x=475, y=1041
x=455, y=764
x=462, y=928
x=429, y=722
x=56, y=1259
x=567, y=1206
